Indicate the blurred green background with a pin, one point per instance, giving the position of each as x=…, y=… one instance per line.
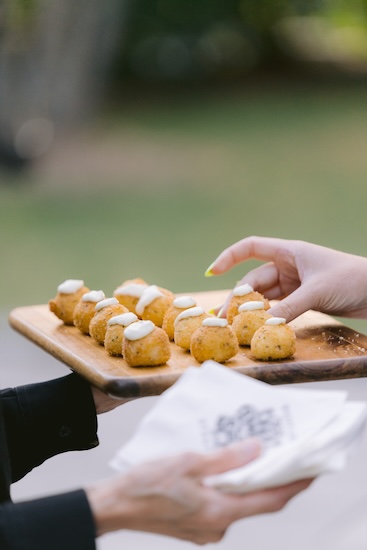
x=215, y=121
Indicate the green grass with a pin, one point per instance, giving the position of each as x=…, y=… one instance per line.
x=288, y=163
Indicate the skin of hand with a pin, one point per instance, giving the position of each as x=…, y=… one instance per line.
x=104, y=402
x=302, y=275
x=169, y=497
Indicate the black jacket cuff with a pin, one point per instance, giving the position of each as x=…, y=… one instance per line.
x=58, y=522
x=45, y=419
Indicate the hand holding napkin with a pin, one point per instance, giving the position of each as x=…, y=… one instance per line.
x=303, y=432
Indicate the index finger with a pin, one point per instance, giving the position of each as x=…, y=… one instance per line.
x=228, y=458
x=260, y=248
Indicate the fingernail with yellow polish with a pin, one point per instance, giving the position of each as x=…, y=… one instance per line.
x=215, y=308
x=209, y=272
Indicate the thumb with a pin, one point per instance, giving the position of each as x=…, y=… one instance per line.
x=295, y=304
x=229, y=458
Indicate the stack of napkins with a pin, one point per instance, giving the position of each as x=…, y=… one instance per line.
x=303, y=432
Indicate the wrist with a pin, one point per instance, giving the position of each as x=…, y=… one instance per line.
x=104, y=403
x=107, y=509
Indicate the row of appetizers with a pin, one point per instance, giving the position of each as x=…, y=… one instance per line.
x=140, y=320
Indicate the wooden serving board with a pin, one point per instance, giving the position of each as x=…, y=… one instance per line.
x=325, y=350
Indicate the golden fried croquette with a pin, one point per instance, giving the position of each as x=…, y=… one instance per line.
x=153, y=304
x=179, y=304
x=104, y=310
x=185, y=325
x=251, y=315
x=113, y=341
x=167, y=292
x=128, y=293
x=68, y=295
x=214, y=340
x=85, y=309
x=240, y=295
x=145, y=345
x=273, y=340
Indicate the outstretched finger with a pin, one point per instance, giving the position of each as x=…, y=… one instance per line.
x=261, y=248
x=233, y=456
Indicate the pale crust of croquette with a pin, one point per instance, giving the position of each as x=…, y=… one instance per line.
x=273, y=342
x=83, y=313
x=185, y=328
x=156, y=310
x=236, y=301
x=246, y=323
x=216, y=343
x=98, y=324
x=63, y=305
x=150, y=351
x=113, y=340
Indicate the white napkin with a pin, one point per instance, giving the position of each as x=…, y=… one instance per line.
x=303, y=432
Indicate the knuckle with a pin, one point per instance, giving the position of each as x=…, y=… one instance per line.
x=190, y=459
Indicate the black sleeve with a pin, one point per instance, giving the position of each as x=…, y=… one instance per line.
x=45, y=419
x=62, y=522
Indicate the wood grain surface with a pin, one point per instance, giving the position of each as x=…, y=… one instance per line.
x=325, y=350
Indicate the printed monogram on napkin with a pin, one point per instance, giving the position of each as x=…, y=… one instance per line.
x=271, y=425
